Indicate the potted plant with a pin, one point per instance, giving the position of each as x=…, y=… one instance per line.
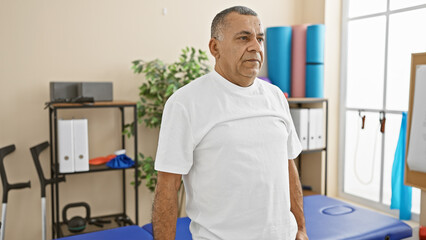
x=162, y=80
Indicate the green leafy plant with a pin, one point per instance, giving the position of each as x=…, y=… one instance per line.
x=162, y=80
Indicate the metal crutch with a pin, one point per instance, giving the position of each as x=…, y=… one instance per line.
x=6, y=186
x=35, y=152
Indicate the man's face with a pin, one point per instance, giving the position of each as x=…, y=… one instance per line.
x=239, y=54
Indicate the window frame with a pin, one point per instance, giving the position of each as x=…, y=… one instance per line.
x=343, y=108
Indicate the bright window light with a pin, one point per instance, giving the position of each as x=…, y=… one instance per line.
x=404, y=39
x=365, y=7
x=398, y=4
x=376, y=77
x=365, y=66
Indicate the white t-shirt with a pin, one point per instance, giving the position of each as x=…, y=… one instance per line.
x=232, y=146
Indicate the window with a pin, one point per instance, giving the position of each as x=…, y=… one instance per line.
x=378, y=38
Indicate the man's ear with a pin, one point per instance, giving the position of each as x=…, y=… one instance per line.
x=214, y=48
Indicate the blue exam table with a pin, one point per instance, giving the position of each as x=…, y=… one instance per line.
x=326, y=218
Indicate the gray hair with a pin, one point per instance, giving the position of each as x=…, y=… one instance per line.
x=219, y=20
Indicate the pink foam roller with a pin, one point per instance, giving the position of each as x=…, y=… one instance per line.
x=298, y=60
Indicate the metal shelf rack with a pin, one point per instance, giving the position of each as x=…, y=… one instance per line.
x=58, y=228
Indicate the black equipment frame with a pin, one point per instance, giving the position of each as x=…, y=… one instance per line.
x=55, y=174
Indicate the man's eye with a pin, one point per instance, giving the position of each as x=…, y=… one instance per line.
x=243, y=38
x=260, y=39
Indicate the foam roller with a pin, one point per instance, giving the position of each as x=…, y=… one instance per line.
x=315, y=43
x=298, y=61
x=278, y=45
x=314, y=80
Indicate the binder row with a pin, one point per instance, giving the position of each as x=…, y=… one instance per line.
x=73, y=145
x=309, y=124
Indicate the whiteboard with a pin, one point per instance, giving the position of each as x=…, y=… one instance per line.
x=413, y=177
x=416, y=158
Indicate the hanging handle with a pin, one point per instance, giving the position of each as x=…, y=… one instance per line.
x=362, y=118
x=382, y=122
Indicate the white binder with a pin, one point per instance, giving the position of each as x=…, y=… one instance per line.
x=300, y=120
x=65, y=146
x=81, y=145
x=316, y=128
x=320, y=129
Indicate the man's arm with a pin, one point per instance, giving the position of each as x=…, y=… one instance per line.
x=296, y=200
x=165, y=209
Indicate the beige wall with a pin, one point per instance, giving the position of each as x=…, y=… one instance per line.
x=88, y=40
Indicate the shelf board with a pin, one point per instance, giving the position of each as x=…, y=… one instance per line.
x=306, y=100
x=117, y=103
x=64, y=232
x=309, y=192
x=97, y=168
x=314, y=150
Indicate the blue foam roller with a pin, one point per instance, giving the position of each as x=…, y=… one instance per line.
x=314, y=80
x=315, y=43
x=278, y=46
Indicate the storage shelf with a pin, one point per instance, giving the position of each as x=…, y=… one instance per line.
x=93, y=105
x=60, y=229
x=309, y=193
x=313, y=103
x=314, y=150
x=64, y=232
x=306, y=100
x=95, y=168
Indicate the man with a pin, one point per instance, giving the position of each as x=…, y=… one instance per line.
x=232, y=138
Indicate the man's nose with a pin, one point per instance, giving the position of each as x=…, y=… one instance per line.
x=255, y=45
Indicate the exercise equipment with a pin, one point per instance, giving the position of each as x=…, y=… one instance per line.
x=123, y=221
x=298, y=60
x=315, y=41
x=76, y=223
x=101, y=160
x=314, y=81
x=98, y=222
x=6, y=186
x=315, y=61
x=35, y=153
x=278, y=47
x=121, y=160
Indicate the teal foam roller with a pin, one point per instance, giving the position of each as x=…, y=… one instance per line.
x=314, y=80
x=278, y=47
x=315, y=43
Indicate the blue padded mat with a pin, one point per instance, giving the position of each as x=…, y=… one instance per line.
x=182, y=229
x=129, y=233
x=328, y=218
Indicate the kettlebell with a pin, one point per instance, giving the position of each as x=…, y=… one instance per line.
x=77, y=223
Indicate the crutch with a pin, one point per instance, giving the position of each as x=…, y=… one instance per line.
x=35, y=152
x=6, y=186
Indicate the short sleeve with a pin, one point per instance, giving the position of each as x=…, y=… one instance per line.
x=294, y=147
x=293, y=144
x=175, y=144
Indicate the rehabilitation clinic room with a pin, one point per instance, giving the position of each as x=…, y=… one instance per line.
x=84, y=84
